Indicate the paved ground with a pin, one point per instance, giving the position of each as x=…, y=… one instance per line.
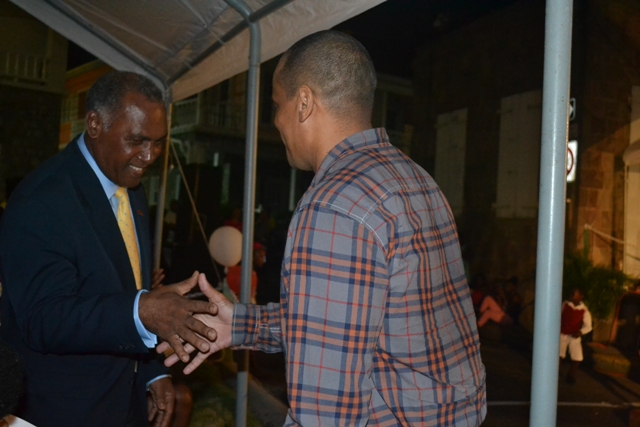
x=595, y=400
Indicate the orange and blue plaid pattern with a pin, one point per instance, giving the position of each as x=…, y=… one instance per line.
x=376, y=319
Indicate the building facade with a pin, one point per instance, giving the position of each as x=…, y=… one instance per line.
x=33, y=60
x=478, y=93
x=479, y=108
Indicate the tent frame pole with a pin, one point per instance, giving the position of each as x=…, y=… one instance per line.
x=251, y=143
x=551, y=212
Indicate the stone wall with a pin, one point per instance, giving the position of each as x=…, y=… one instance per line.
x=612, y=68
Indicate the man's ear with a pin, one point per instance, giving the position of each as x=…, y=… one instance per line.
x=93, y=124
x=306, y=103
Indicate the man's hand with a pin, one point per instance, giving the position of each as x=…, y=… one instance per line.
x=166, y=313
x=161, y=402
x=222, y=324
x=157, y=277
x=577, y=334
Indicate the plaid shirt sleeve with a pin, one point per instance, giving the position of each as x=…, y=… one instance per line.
x=336, y=286
x=257, y=327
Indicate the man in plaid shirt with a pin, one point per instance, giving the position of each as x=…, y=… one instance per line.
x=375, y=316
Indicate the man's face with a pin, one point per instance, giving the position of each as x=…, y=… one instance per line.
x=287, y=123
x=576, y=297
x=133, y=141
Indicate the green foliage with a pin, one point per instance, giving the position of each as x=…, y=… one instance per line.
x=601, y=286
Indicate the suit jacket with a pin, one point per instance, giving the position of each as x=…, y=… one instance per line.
x=68, y=296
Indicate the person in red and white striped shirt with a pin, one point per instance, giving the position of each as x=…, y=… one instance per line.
x=574, y=323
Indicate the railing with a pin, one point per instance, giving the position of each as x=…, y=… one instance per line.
x=224, y=118
x=185, y=114
x=219, y=117
x=24, y=68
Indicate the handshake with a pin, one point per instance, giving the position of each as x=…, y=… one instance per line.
x=186, y=325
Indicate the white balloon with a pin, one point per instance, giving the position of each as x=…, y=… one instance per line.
x=225, y=246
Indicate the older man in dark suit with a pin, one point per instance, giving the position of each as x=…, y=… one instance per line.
x=76, y=270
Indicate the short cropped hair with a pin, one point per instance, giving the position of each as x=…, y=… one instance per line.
x=337, y=67
x=106, y=95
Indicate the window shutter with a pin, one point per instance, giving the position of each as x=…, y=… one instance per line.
x=519, y=155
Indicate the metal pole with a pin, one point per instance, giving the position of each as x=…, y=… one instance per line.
x=551, y=213
x=162, y=191
x=253, y=86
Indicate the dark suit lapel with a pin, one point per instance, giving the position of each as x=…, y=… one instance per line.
x=100, y=214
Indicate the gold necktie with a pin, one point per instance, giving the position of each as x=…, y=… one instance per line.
x=125, y=222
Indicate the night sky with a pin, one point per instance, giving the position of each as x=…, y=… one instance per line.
x=394, y=30
x=391, y=31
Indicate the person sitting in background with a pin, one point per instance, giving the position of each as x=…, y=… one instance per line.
x=514, y=299
x=478, y=287
x=494, y=307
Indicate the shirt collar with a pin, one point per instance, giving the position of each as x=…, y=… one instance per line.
x=369, y=137
x=107, y=185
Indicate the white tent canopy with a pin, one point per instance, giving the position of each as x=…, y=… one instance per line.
x=187, y=45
